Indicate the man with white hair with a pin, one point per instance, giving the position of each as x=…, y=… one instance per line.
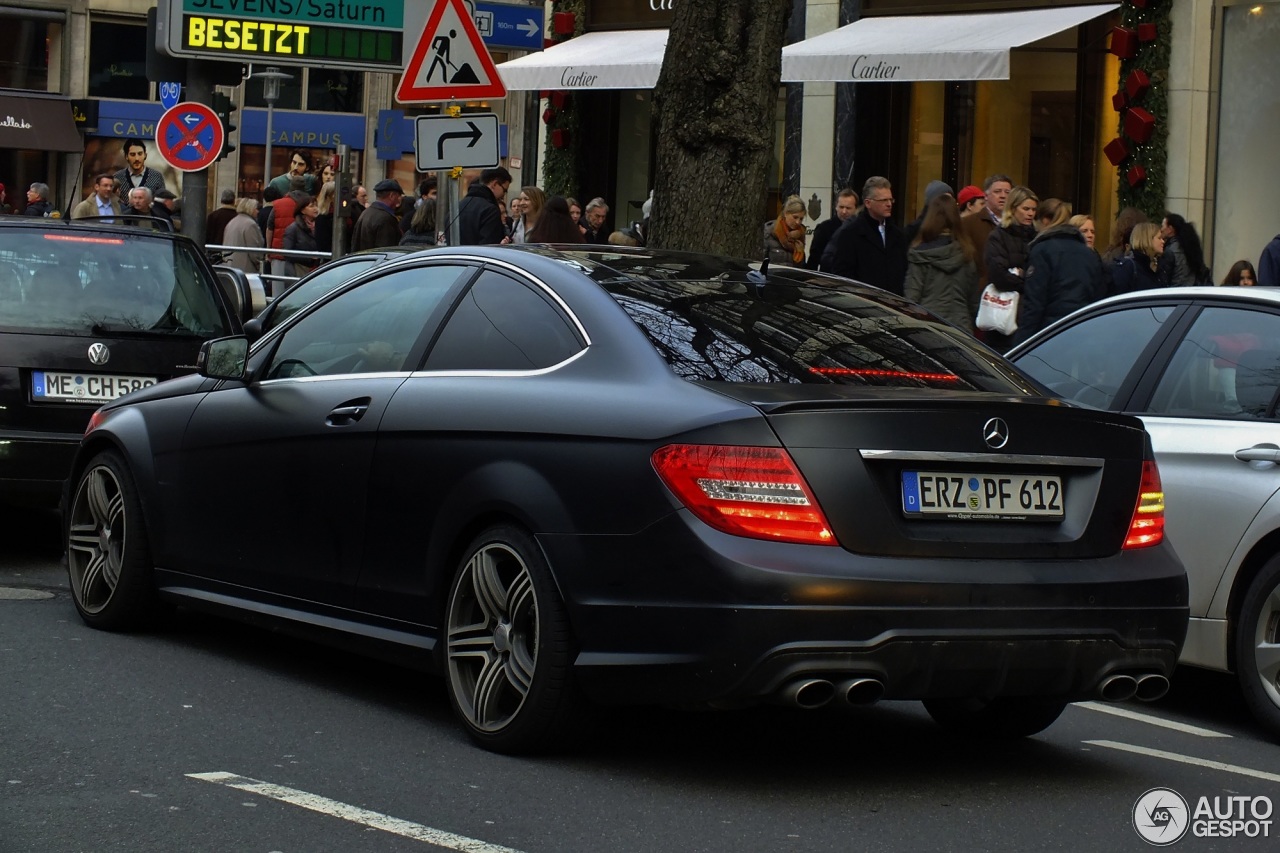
x=595, y=214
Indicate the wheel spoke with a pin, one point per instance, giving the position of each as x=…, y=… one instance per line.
x=98, y=499
x=94, y=575
x=115, y=509
x=83, y=537
x=1267, y=658
x=519, y=669
x=488, y=696
x=490, y=592
x=470, y=640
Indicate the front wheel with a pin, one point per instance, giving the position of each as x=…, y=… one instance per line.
x=1003, y=717
x=508, y=647
x=108, y=555
x=1257, y=641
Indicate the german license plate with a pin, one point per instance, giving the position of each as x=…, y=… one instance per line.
x=989, y=496
x=95, y=388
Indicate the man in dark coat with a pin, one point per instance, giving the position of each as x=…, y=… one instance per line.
x=1063, y=273
x=215, y=225
x=379, y=225
x=846, y=208
x=870, y=247
x=479, y=220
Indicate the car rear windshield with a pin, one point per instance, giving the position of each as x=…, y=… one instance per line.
x=68, y=281
x=792, y=327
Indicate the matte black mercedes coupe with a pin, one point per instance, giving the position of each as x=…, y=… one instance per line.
x=568, y=474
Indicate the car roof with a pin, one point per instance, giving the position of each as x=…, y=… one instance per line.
x=41, y=223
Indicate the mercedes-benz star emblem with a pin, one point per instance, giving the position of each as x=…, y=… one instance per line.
x=99, y=354
x=995, y=433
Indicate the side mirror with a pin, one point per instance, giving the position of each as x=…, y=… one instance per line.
x=223, y=358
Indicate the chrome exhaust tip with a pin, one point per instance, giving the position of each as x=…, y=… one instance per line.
x=808, y=693
x=861, y=691
x=1151, y=687
x=1118, y=688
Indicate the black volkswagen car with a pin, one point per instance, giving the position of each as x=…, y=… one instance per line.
x=89, y=310
x=559, y=475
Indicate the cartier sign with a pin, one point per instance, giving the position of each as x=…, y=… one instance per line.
x=629, y=14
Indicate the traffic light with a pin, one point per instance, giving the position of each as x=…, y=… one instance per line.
x=224, y=107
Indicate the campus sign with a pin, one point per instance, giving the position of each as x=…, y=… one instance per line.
x=362, y=34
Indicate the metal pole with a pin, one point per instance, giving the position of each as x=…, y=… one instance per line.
x=195, y=185
x=266, y=166
x=448, y=191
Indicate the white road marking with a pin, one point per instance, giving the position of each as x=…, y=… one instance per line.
x=1186, y=759
x=1119, y=711
x=364, y=817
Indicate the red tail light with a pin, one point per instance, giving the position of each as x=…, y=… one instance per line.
x=747, y=491
x=94, y=420
x=1147, y=527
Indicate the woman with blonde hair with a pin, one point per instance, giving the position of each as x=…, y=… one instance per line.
x=784, y=236
x=1139, y=269
x=532, y=200
x=324, y=216
x=1063, y=273
x=1120, y=234
x=1006, y=252
x=243, y=230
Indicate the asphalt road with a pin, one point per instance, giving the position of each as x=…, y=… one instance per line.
x=209, y=736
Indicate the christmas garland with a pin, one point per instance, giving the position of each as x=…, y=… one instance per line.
x=560, y=161
x=1140, y=152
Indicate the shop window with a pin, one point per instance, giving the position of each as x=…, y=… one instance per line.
x=24, y=53
x=1248, y=122
x=117, y=64
x=335, y=90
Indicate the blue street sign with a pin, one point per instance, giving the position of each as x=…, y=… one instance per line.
x=509, y=26
x=389, y=136
x=170, y=94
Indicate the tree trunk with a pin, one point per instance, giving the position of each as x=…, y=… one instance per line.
x=716, y=102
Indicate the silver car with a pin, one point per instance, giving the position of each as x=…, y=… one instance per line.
x=1201, y=367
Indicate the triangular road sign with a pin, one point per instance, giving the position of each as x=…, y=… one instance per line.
x=450, y=61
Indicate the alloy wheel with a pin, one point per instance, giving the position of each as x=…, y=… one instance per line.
x=492, y=640
x=1266, y=645
x=96, y=538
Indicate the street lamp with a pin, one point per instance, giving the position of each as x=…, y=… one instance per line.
x=271, y=79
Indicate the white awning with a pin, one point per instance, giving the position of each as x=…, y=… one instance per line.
x=926, y=47
x=600, y=60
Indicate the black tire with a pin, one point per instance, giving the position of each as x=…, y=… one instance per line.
x=108, y=553
x=1002, y=717
x=509, y=650
x=1257, y=646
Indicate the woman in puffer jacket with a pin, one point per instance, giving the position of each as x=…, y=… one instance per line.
x=1007, y=250
x=1063, y=273
x=942, y=269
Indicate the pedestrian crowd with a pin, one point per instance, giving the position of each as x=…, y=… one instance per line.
x=997, y=260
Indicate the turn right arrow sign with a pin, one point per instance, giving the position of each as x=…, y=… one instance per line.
x=471, y=141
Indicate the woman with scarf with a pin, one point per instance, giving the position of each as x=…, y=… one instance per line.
x=784, y=236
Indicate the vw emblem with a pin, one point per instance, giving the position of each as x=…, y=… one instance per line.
x=995, y=433
x=99, y=354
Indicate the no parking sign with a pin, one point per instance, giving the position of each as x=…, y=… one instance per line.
x=190, y=136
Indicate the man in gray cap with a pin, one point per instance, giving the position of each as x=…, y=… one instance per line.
x=379, y=226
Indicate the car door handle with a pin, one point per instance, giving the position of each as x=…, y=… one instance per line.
x=1259, y=453
x=348, y=413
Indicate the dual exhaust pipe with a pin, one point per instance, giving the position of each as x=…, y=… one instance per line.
x=811, y=693
x=1143, y=686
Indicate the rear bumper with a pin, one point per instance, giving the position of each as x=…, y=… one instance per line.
x=34, y=466
x=686, y=614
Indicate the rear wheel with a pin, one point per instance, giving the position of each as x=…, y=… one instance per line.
x=508, y=646
x=108, y=555
x=1004, y=716
x=1257, y=640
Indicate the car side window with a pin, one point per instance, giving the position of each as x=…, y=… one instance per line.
x=316, y=286
x=368, y=329
x=503, y=324
x=1227, y=366
x=1088, y=361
